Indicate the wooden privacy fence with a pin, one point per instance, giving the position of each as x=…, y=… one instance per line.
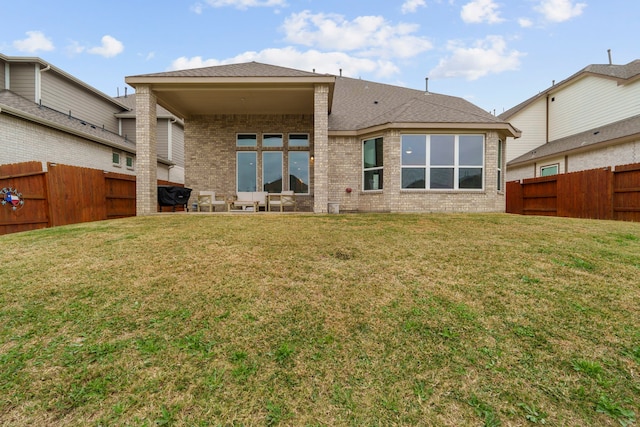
x=597, y=193
x=66, y=195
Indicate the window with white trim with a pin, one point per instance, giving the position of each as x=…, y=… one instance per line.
x=115, y=158
x=442, y=162
x=129, y=162
x=261, y=162
x=549, y=170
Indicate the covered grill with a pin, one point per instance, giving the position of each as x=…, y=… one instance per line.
x=169, y=195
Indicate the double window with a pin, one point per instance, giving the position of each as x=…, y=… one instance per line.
x=443, y=162
x=269, y=156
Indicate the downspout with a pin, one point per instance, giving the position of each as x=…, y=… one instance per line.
x=38, y=91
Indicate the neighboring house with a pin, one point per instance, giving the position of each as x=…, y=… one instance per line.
x=363, y=145
x=48, y=115
x=170, y=136
x=588, y=121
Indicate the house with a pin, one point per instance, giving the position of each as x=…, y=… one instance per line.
x=588, y=121
x=362, y=145
x=48, y=115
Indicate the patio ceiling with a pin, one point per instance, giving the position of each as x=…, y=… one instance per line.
x=234, y=96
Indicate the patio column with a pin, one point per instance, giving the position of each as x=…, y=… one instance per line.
x=146, y=151
x=321, y=148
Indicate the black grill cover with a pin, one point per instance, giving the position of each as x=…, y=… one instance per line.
x=173, y=196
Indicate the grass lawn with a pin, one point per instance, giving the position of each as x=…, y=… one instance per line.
x=435, y=320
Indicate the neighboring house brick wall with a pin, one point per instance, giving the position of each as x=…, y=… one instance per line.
x=588, y=103
x=24, y=141
x=521, y=172
x=613, y=155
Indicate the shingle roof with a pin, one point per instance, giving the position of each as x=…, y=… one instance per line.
x=49, y=117
x=619, y=72
x=627, y=128
x=359, y=104
x=130, y=102
x=246, y=69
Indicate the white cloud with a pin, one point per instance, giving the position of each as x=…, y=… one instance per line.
x=321, y=62
x=74, y=48
x=560, y=10
x=242, y=4
x=487, y=56
x=110, y=47
x=35, y=41
x=411, y=6
x=479, y=11
x=365, y=35
x=525, y=22
x=197, y=8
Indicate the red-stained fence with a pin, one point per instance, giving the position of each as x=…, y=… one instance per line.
x=66, y=195
x=597, y=193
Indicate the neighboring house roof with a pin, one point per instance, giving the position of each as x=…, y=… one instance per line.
x=621, y=131
x=57, y=70
x=130, y=102
x=623, y=74
x=16, y=105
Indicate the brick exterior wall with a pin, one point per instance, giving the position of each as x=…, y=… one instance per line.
x=146, y=140
x=210, y=164
x=24, y=141
x=321, y=137
x=345, y=171
x=210, y=150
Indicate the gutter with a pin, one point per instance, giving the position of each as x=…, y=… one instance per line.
x=4, y=109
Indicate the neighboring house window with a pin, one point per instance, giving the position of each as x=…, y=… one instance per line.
x=438, y=162
x=272, y=171
x=129, y=162
x=247, y=170
x=500, y=165
x=372, y=164
x=549, y=170
x=115, y=158
x=299, y=171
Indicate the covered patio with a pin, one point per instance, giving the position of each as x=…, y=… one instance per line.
x=243, y=124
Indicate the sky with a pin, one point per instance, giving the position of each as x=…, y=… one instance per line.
x=494, y=53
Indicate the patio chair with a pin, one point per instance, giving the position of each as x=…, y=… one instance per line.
x=286, y=198
x=207, y=199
